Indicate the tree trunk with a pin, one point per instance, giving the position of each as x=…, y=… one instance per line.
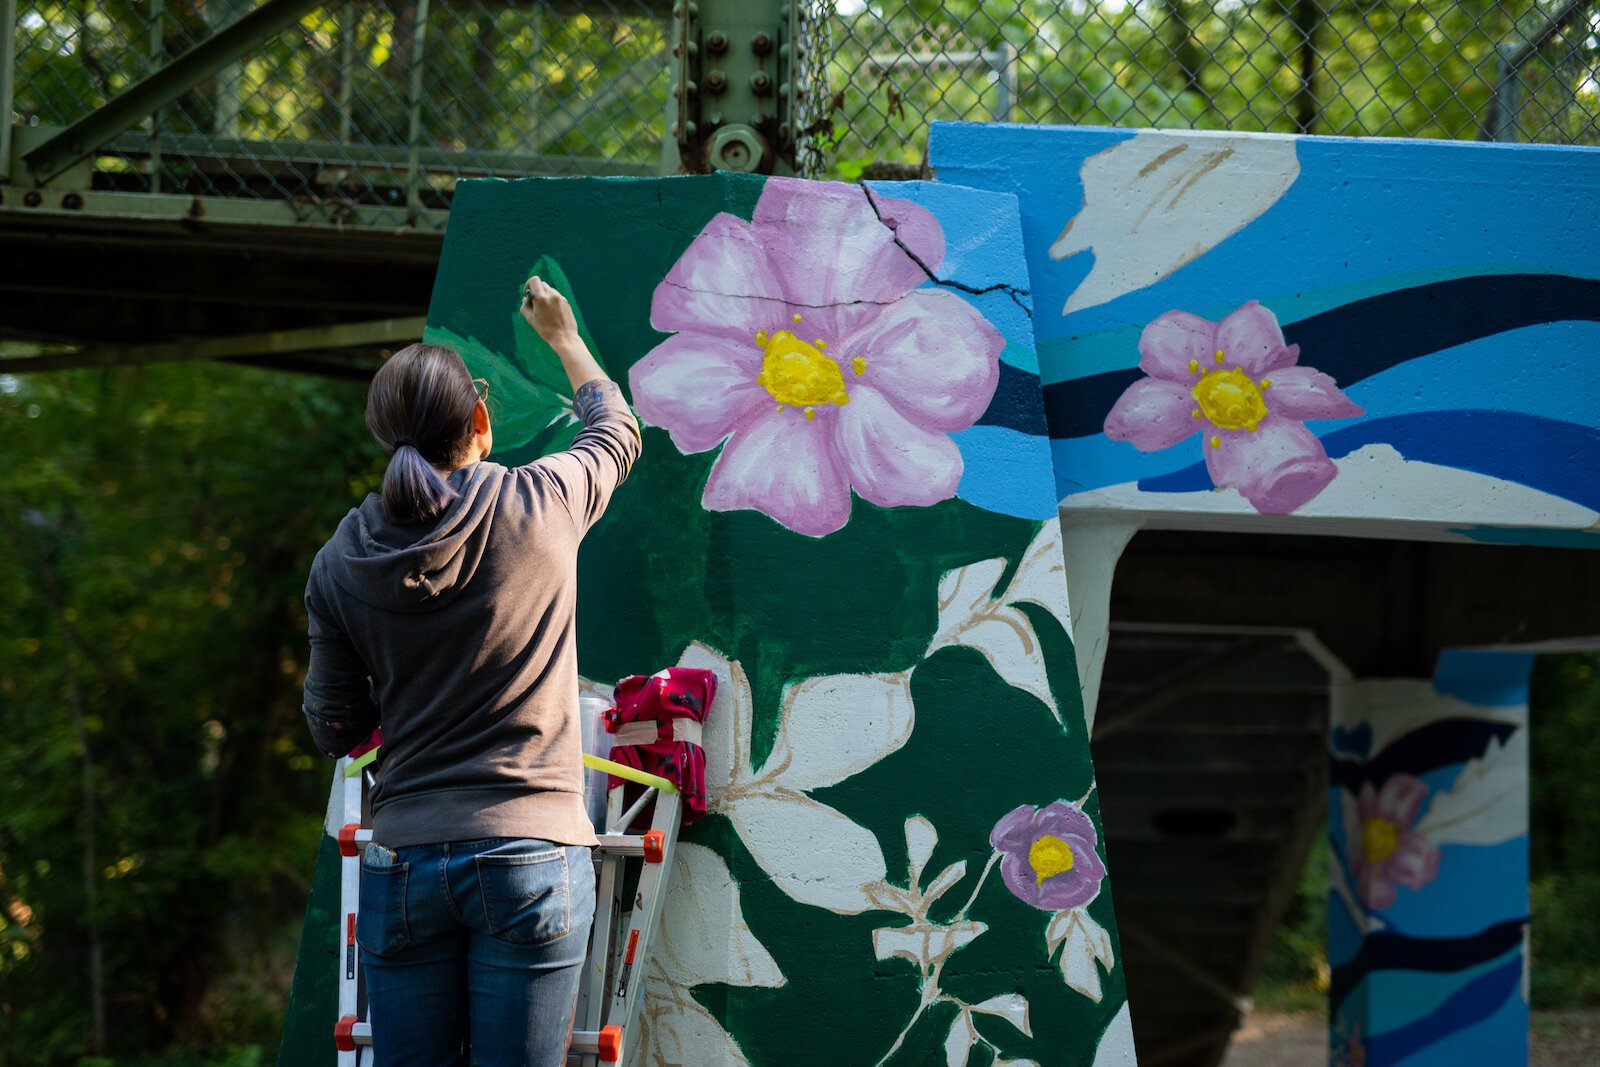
x=91, y=861
x=1308, y=18
x=1187, y=55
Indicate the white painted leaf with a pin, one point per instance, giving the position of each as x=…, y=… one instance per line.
x=1160, y=200
x=839, y=725
x=964, y=593
x=921, y=837
x=924, y=943
x=958, y=1045
x=1116, y=1042
x=682, y=1033
x=1012, y=1007
x=813, y=853
x=1488, y=803
x=727, y=727
x=1056, y=930
x=946, y=881
x=704, y=937
x=1016, y=1063
x=1086, y=944
x=972, y=617
x=1041, y=578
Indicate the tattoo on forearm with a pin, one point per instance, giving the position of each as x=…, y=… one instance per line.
x=592, y=397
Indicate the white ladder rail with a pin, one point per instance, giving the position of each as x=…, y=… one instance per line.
x=611, y=985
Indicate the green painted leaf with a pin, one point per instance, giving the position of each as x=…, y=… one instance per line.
x=530, y=398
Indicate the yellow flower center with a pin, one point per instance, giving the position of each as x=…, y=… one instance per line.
x=800, y=374
x=1049, y=856
x=1379, y=839
x=1231, y=399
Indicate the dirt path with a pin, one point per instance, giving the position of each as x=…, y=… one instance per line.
x=1559, y=1039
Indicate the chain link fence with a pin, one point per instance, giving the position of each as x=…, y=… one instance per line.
x=1462, y=69
x=383, y=101
x=390, y=101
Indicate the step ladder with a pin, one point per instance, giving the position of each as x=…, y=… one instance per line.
x=611, y=989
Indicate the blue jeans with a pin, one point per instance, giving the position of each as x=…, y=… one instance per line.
x=472, y=950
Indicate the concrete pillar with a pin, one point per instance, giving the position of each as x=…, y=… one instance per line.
x=1092, y=548
x=1428, y=908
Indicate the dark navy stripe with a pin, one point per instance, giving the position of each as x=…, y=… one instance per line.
x=1427, y=748
x=1397, y=952
x=1467, y=1006
x=1360, y=339
x=1016, y=404
x=1561, y=458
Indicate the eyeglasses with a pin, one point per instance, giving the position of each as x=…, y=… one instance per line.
x=481, y=387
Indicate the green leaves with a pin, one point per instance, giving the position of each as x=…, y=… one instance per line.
x=160, y=523
x=530, y=397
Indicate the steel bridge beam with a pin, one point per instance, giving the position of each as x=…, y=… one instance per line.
x=163, y=87
x=8, y=78
x=254, y=348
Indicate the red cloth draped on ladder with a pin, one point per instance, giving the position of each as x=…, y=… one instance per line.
x=656, y=728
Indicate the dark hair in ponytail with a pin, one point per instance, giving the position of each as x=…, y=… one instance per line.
x=420, y=405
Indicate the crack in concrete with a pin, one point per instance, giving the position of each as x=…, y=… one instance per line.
x=1011, y=291
x=774, y=299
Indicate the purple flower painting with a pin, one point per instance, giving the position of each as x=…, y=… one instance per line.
x=1048, y=856
x=803, y=340
x=1386, y=852
x=1236, y=383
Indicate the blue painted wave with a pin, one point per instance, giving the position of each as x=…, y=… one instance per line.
x=1560, y=458
x=1364, y=338
x=1480, y=997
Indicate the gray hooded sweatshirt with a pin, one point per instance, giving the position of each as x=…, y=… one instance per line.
x=456, y=637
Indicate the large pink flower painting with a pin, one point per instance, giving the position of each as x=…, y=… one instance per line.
x=1385, y=850
x=1236, y=383
x=803, y=340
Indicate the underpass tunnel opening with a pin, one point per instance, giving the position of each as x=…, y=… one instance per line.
x=1231, y=661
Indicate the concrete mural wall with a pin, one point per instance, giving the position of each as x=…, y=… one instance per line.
x=1364, y=338
x=1254, y=327
x=845, y=510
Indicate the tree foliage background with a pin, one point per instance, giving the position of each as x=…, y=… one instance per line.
x=161, y=800
x=554, y=86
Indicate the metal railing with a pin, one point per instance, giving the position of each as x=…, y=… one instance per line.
x=370, y=101
x=388, y=102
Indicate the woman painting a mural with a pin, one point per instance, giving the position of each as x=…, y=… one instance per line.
x=443, y=608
